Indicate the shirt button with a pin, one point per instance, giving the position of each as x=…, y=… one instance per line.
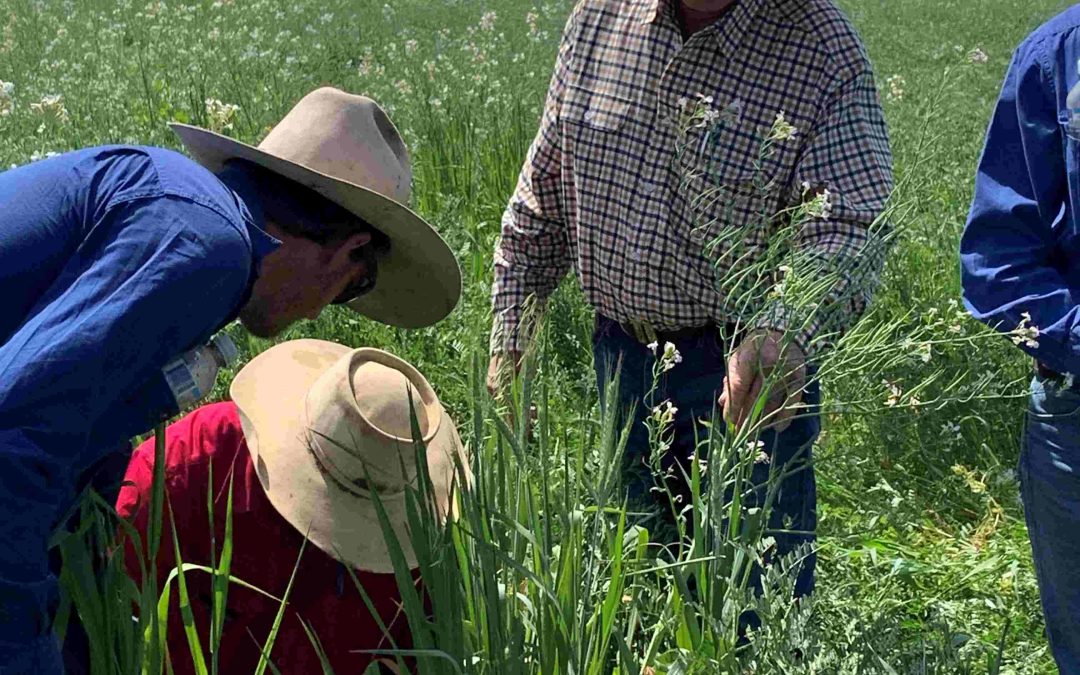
x=590, y=115
x=649, y=188
x=635, y=255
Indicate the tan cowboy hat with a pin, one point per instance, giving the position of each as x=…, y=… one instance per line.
x=345, y=148
x=327, y=426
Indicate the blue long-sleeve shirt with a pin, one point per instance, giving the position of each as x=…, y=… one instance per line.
x=1020, y=251
x=113, y=261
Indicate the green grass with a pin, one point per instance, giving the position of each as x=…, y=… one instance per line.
x=924, y=559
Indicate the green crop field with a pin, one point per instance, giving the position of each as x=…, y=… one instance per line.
x=924, y=561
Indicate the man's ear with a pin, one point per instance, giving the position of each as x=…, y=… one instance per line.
x=348, y=250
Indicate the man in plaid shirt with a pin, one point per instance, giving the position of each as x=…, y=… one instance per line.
x=608, y=189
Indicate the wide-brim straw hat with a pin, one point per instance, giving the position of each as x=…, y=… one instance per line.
x=346, y=148
x=329, y=428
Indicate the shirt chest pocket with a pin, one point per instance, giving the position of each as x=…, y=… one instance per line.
x=1070, y=135
x=726, y=188
x=597, y=136
x=589, y=110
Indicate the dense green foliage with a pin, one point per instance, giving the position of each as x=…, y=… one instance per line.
x=924, y=562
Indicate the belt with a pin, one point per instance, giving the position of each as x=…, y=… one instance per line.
x=645, y=333
x=1048, y=374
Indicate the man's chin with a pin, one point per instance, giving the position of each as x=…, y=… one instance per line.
x=259, y=326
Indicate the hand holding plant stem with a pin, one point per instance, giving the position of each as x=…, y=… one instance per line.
x=501, y=369
x=764, y=361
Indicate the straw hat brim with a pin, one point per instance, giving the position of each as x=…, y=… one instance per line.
x=270, y=392
x=419, y=279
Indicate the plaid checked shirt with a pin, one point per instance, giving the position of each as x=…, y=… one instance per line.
x=605, y=189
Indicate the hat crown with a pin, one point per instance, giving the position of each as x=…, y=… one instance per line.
x=359, y=417
x=347, y=137
x=382, y=396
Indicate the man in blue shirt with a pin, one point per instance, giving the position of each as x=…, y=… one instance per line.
x=114, y=260
x=1020, y=257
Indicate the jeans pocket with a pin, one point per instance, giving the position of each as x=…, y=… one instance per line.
x=1052, y=402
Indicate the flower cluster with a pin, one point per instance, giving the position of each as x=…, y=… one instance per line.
x=1025, y=334
x=782, y=130
x=780, y=287
x=978, y=56
x=220, y=116
x=51, y=106
x=7, y=97
x=531, y=20
x=757, y=450
x=697, y=113
x=663, y=414
x=896, y=85
x=819, y=205
x=669, y=358
x=895, y=393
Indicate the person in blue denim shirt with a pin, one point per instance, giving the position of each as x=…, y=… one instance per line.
x=114, y=260
x=1020, y=265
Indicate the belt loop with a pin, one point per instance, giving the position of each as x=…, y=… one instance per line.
x=650, y=333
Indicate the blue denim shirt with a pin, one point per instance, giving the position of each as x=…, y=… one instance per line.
x=113, y=260
x=1020, y=250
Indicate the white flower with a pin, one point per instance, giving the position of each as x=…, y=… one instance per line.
x=896, y=87
x=652, y=347
x=757, y=449
x=368, y=66
x=820, y=206
x=697, y=114
x=487, y=21
x=978, y=56
x=411, y=46
x=220, y=116
x=702, y=462
x=782, y=130
x=7, y=97
x=403, y=87
x=951, y=429
x=51, y=106
x=663, y=414
x=670, y=358
x=1025, y=334
x=925, y=352
x=780, y=286
x=895, y=393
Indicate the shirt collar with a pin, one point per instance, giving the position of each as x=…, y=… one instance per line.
x=647, y=11
x=734, y=25
x=729, y=30
x=262, y=244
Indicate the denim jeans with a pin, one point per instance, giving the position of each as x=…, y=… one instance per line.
x=694, y=386
x=1050, y=488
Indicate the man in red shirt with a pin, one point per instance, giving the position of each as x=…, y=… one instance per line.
x=313, y=429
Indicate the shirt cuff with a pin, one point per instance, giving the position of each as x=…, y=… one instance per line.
x=506, y=332
x=804, y=332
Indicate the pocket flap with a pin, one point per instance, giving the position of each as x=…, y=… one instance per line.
x=595, y=108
